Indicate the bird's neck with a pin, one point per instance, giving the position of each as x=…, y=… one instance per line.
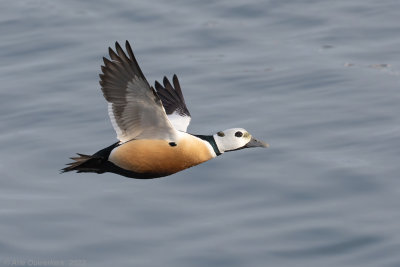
x=210, y=139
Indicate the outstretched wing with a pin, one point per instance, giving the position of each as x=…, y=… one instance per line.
x=174, y=103
x=135, y=110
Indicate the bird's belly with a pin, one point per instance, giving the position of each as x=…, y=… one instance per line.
x=158, y=157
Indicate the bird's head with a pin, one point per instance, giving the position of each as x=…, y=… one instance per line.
x=235, y=139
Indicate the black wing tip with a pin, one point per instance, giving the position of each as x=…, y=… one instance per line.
x=158, y=86
x=122, y=62
x=177, y=86
x=118, y=52
x=118, y=49
x=166, y=81
x=106, y=61
x=129, y=50
x=127, y=45
x=171, y=96
x=167, y=85
x=118, y=46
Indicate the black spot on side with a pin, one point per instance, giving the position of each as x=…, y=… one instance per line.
x=172, y=143
x=221, y=134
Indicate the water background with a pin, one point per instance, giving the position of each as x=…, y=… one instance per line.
x=318, y=80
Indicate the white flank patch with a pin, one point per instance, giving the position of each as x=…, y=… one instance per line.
x=114, y=122
x=180, y=122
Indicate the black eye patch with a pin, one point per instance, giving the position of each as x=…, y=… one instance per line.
x=221, y=134
x=238, y=134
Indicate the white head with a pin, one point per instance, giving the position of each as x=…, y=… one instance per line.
x=235, y=139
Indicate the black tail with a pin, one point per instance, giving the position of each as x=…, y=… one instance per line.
x=95, y=163
x=98, y=163
x=85, y=163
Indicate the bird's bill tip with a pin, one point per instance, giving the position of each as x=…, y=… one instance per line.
x=256, y=143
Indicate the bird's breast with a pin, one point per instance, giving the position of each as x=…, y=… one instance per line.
x=159, y=157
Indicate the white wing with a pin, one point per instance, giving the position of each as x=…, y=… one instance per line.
x=174, y=103
x=135, y=109
x=180, y=122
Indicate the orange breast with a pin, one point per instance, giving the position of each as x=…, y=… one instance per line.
x=158, y=157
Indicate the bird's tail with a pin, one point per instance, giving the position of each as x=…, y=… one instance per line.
x=85, y=163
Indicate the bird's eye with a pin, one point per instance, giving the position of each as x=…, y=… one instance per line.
x=239, y=134
x=221, y=134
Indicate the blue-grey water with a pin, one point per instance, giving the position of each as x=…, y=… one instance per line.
x=318, y=80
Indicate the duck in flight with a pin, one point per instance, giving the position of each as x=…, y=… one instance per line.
x=151, y=126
